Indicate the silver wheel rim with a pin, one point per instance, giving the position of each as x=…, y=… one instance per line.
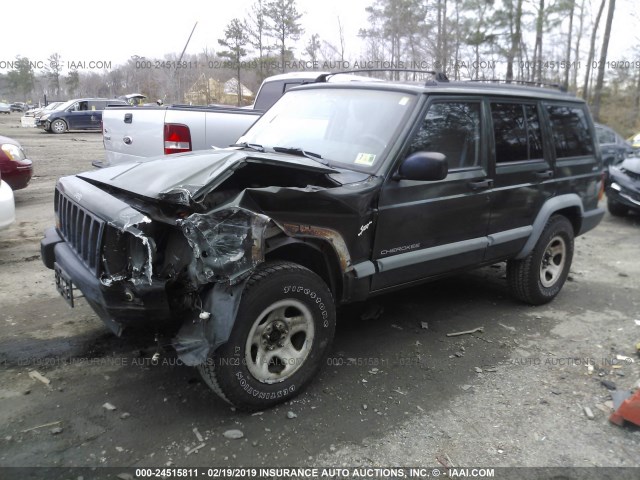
x=553, y=260
x=57, y=126
x=279, y=341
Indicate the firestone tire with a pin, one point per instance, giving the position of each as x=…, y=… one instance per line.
x=282, y=333
x=539, y=277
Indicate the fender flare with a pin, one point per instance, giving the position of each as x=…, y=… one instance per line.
x=551, y=206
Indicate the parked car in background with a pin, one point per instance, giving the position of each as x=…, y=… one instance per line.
x=133, y=134
x=7, y=206
x=614, y=148
x=31, y=117
x=622, y=187
x=634, y=140
x=37, y=111
x=19, y=107
x=78, y=114
x=15, y=167
x=5, y=108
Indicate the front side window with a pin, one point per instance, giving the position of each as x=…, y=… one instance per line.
x=453, y=129
x=571, y=135
x=516, y=130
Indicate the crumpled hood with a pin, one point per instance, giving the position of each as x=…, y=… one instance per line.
x=631, y=164
x=193, y=174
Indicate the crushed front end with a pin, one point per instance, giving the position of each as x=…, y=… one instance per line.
x=105, y=249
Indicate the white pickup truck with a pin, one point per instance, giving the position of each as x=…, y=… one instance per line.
x=136, y=133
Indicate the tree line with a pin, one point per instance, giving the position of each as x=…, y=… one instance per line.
x=561, y=42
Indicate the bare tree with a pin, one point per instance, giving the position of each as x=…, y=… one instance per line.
x=603, y=60
x=592, y=49
x=256, y=29
x=571, y=6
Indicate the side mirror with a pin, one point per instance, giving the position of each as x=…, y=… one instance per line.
x=423, y=166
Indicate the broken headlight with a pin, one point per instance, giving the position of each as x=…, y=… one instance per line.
x=226, y=244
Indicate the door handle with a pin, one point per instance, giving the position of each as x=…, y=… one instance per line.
x=488, y=183
x=128, y=117
x=544, y=174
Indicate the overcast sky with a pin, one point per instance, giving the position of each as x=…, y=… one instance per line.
x=118, y=29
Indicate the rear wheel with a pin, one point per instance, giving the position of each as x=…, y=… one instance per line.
x=282, y=333
x=616, y=208
x=539, y=277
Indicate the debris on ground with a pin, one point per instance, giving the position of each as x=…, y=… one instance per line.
x=466, y=332
x=108, y=406
x=364, y=406
x=198, y=434
x=56, y=430
x=478, y=370
x=397, y=390
x=508, y=327
x=233, y=434
x=119, y=449
x=125, y=415
x=291, y=415
x=38, y=376
x=424, y=325
x=589, y=413
x=397, y=327
x=195, y=449
x=625, y=358
x=42, y=426
x=637, y=322
x=466, y=387
x=627, y=408
x=608, y=384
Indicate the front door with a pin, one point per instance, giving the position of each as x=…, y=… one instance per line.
x=427, y=228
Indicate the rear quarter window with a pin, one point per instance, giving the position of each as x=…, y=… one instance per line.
x=570, y=130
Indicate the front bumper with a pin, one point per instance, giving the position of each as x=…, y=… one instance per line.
x=119, y=304
x=624, y=197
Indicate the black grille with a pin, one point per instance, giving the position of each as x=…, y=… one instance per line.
x=82, y=230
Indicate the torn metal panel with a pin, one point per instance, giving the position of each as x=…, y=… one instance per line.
x=334, y=238
x=226, y=243
x=201, y=336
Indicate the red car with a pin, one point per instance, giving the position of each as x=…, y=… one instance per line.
x=15, y=167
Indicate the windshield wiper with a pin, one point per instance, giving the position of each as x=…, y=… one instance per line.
x=250, y=146
x=302, y=153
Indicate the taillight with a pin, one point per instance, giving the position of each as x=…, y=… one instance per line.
x=603, y=181
x=177, y=138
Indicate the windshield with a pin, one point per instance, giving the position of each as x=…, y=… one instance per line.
x=342, y=125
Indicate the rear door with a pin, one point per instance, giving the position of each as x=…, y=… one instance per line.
x=427, y=228
x=522, y=172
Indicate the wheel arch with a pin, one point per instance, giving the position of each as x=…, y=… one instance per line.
x=568, y=205
x=317, y=256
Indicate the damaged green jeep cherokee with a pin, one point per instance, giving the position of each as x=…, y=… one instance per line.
x=341, y=191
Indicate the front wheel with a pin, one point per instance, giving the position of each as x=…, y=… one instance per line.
x=539, y=277
x=58, y=126
x=282, y=333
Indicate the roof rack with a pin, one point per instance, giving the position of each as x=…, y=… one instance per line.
x=439, y=77
x=520, y=82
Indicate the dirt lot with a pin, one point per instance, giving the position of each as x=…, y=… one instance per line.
x=392, y=393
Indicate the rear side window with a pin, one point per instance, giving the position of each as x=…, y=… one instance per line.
x=268, y=95
x=605, y=135
x=516, y=129
x=453, y=129
x=571, y=135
